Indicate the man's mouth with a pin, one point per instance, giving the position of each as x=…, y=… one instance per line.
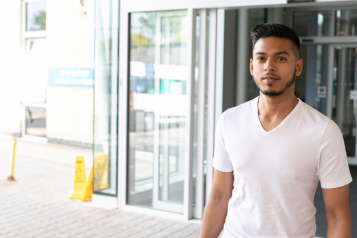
x=270, y=80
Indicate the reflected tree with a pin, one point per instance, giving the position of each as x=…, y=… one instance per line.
x=39, y=21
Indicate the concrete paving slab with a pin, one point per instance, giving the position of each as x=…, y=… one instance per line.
x=36, y=204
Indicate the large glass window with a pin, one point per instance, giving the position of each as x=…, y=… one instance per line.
x=313, y=23
x=157, y=110
x=36, y=16
x=105, y=98
x=34, y=70
x=345, y=95
x=346, y=22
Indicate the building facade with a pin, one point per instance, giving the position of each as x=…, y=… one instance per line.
x=144, y=82
x=47, y=79
x=176, y=66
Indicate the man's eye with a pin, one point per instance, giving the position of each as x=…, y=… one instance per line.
x=260, y=58
x=281, y=59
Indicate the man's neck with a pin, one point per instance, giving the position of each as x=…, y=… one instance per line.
x=276, y=107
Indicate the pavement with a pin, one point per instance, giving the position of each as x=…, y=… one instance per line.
x=36, y=204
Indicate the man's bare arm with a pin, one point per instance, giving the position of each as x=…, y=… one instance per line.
x=337, y=212
x=217, y=204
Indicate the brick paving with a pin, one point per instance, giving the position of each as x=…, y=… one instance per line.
x=36, y=204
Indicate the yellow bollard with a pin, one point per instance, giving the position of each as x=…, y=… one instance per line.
x=11, y=175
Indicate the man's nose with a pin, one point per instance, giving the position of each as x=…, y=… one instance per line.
x=270, y=65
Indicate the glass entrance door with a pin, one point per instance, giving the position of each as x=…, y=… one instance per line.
x=344, y=100
x=163, y=99
x=157, y=110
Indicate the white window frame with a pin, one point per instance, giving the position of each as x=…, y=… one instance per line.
x=29, y=34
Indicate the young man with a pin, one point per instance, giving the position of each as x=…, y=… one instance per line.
x=271, y=152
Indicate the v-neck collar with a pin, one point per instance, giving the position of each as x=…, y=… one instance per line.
x=277, y=128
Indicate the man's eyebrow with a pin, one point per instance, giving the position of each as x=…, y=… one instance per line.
x=260, y=53
x=282, y=53
x=276, y=53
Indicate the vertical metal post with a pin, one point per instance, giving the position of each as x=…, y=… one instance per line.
x=341, y=88
x=332, y=23
x=113, y=153
x=12, y=164
x=289, y=17
x=355, y=110
x=219, y=63
x=242, y=56
x=330, y=76
x=124, y=106
x=157, y=155
x=270, y=15
x=165, y=159
x=201, y=113
x=278, y=15
x=211, y=99
x=191, y=42
x=157, y=159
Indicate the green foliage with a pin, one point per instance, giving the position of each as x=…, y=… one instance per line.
x=39, y=21
x=139, y=40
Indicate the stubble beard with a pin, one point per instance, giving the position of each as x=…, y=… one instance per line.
x=274, y=94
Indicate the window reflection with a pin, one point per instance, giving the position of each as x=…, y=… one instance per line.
x=36, y=16
x=312, y=23
x=105, y=100
x=35, y=121
x=344, y=105
x=312, y=86
x=346, y=22
x=256, y=17
x=157, y=108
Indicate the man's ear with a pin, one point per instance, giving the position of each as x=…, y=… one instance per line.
x=299, y=67
x=251, y=67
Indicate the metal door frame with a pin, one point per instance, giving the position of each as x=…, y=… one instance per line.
x=202, y=100
x=187, y=208
x=157, y=203
x=351, y=160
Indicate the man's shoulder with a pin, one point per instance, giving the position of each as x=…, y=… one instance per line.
x=241, y=110
x=312, y=116
x=310, y=121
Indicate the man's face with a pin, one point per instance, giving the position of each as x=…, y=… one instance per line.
x=275, y=65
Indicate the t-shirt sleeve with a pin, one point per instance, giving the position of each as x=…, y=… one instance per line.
x=221, y=159
x=333, y=170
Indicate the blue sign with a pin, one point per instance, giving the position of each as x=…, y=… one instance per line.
x=71, y=77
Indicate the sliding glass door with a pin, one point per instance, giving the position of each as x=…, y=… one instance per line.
x=345, y=96
x=171, y=74
x=157, y=110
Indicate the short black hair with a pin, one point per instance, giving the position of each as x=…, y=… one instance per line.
x=275, y=30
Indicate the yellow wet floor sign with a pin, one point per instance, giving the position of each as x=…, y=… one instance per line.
x=88, y=191
x=79, y=181
x=100, y=174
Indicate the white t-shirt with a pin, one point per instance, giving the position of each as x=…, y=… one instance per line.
x=276, y=173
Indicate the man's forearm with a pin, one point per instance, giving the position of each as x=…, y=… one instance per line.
x=339, y=228
x=213, y=217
